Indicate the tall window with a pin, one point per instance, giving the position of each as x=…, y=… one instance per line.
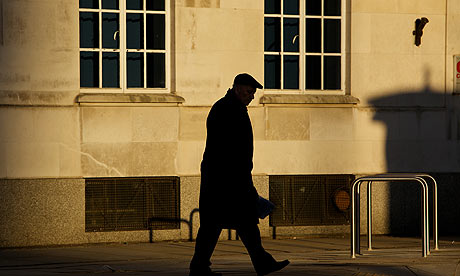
x=124, y=44
x=303, y=48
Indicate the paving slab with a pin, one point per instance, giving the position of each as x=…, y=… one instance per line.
x=308, y=255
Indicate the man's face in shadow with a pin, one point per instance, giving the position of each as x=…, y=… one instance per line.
x=245, y=93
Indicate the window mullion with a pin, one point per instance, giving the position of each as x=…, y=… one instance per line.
x=100, y=42
x=123, y=35
x=282, y=45
x=322, y=45
x=145, y=43
x=342, y=48
x=167, y=46
x=302, y=46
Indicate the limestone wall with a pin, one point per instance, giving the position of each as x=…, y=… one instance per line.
x=406, y=120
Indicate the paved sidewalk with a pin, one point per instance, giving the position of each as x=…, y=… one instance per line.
x=308, y=256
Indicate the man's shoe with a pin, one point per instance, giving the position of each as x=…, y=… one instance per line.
x=207, y=272
x=273, y=267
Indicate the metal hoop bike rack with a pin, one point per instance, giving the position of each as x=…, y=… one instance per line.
x=355, y=209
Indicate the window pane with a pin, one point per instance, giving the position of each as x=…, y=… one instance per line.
x=332, y=73
x=313, y=7
x=272, y=6
x=89, y=4
x=332, y=36
x=155, y=31
x=332, y=7
x=109, y=27
x=291, y=6
x=110, y=4
x=155, y=5
x=89, y=30
x=313, y=35
x=291, y=35
x=134, y=4
x=89, y=69
x=156, y=70
x=272, y=72
x=313, y=72
x=272, y=34
x=135, y=66
x=110, y=70
x=135, y=31
x=291, y=72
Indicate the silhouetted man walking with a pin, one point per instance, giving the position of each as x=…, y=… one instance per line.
x=228, y=198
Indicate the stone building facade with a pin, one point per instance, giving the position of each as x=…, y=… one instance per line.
x=94, y=92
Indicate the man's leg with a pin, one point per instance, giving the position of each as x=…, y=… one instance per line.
x=206, y=241
x=262, y=261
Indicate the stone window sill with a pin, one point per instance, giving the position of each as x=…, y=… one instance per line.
x=308, y=99
x=131, y=98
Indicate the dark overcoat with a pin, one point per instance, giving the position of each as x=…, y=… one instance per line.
x=228, y=197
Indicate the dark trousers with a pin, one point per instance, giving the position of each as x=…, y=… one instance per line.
x=208, y=236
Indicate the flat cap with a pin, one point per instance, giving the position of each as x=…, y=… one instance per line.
x=246, y=79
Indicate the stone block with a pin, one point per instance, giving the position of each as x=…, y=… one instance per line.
x=32, y=160
x=392, y=33
x=190, y=189
x=17, y=124
x=58, y=125
x=189, y=156
x=288, y=123
x=155, y=124
x=155, y=158
x=193, y=123
x=129, y=159
x=106, y=124
x=3, y=163
x=331, y=124
x=258, y=121
x=367, y=127
x=362, y=33
x=105, y=159
x=69, y=160
x=39, y=212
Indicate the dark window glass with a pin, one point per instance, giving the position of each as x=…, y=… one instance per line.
x=155, y=5
x=332, y=36
x=134, y=4
x=332, y=73
x=313, y=35
x=89, y=4
x=332, y=7
x=135, y=30
x=89, y=69
x=313, y=7
x=272, y=72
x=135, y=67
x=291, y=35
x=272, y=6
x=291, y=6
x=89, y=30
x=272, y=34
x=313, y=72
x=110, y=70
x=155, y=31
x=291, y=72
x=155, y=70
x=110, y=4
x=110, y=24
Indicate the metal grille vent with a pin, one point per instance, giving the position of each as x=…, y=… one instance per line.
x=121, y=204
x=310, y=199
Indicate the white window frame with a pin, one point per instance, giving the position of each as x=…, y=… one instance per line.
x=123, y=49
x=302, y=53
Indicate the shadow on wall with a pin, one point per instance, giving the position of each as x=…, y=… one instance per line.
x=422, y=136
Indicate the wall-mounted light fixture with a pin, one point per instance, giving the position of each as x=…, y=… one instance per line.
x=418, y=32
